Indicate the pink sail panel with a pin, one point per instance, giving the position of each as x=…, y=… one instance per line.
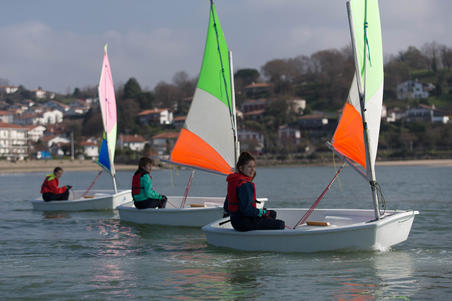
x=107, y=98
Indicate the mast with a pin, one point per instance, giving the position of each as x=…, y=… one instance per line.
x=234, y=113
x=362, y=99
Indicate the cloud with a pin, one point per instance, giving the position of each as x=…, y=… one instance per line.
x=34, y=54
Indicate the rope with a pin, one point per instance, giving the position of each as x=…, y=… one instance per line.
x=308, y=213
x=381, y=198
x=92, y=184
x=187, y=189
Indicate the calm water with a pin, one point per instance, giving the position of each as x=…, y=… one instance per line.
x=93, y=256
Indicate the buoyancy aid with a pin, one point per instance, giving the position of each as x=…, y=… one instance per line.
x=236, y=180
x=136, y=181
x=50, y=185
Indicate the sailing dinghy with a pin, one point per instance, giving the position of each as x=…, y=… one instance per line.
x=208, y=140
x=97, y=199
x=355, y=141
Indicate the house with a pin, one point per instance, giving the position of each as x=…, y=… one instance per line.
x=412, y=89
x=289, y=135
x=426, y=113
x=52, y=117
x=254, y=115
x=6, y=116
x=163, y=143
x=9, y=89
x=179, y=121
x=35, y=132
x=54, y=140
x=13, y=141
x=28, y=119
x=56, y=105
x=298, y=105
x=156, y=116
x=90, y=149
x=132, y=142
x=251, y=140
x=314, y=121
x=253, y=105
x=394, y=115
x=40, y=93
x=256, y=90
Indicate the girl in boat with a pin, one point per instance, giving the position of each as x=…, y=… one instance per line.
x=142, y=193
x=241, y=199
x=50, y=190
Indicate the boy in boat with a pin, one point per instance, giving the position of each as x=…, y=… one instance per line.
x=50, y=190
x=142, y=193
x=241, y=199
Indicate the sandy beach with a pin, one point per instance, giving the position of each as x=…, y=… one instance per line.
x=49, y=165
x=84, y=165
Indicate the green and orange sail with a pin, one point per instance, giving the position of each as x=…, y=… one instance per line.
x=207, y=140
x=348, y=140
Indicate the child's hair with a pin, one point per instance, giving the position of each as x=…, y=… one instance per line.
x=144, y=161
x=244, y=158
x=57, y=169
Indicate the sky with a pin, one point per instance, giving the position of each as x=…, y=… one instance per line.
x=58, y=44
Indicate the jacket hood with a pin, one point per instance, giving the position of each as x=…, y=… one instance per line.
x=234, y=177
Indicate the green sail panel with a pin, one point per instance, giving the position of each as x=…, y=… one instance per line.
x=214, y=76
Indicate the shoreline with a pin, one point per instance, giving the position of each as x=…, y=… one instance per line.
x=7, y=167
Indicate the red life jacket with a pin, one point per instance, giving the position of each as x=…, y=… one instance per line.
x=136, y=181
x=236, y=180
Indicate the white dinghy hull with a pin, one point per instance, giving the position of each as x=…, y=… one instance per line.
x=96, y=200
x=349, y=229
x=197, y=212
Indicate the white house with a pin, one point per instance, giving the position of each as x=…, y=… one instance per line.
x=35, y=132
x=394, y=115
x=156, y=116
x=52, y=140
x=90, y=149
x=427, y=113
x=298, y=105
x=251, y=140
x=52, y=117
x=9, y=89
x=411, y=89
x=13, y=141
x=132, y=142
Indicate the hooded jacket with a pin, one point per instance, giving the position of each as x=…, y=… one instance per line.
x=241, y=197
x=50, y=185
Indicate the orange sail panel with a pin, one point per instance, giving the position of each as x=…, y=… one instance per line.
x=349, y=136
x=191, y=150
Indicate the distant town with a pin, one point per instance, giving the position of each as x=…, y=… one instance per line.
x=286, y=111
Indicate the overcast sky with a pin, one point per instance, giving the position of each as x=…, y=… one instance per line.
x=58, y=44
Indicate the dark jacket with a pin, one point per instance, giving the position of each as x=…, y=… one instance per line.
x=241, y=197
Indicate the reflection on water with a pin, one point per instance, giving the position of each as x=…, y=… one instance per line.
x=390, y=276
x=55, y=215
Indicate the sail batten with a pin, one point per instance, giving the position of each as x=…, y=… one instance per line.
x=209, y=123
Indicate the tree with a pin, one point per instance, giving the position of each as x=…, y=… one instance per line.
x=132, y=88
